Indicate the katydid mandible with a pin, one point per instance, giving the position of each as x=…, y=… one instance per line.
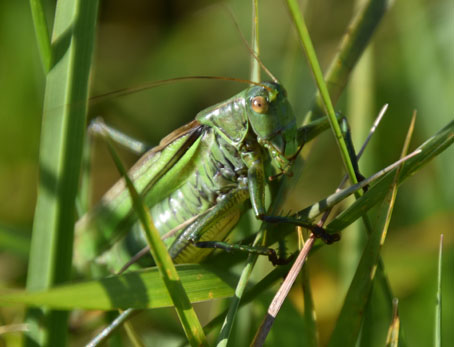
x=204, y=172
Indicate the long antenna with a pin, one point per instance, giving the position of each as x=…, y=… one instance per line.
x=251, y=51
x=145, y=86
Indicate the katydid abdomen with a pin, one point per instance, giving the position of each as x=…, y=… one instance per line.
x=219, y=170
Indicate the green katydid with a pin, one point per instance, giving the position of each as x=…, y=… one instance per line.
x=204, y=173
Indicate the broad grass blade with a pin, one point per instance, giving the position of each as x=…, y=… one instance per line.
x=62, y=135
x=141, y=289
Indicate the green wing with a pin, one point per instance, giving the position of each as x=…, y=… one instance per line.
x=156, y=174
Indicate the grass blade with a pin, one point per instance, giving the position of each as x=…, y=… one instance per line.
x=273, y=277
x=437, y=337
x=377, y=313
x=188, y=318
x=226, y=329
x=323, y=89
x=62, y=137
x=138, y=289
x=353, y=44
x=42, y=33
x=309, y=311
x=360, y=108
x=255, y=66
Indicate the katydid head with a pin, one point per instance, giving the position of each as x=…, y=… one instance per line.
x=263, y=110
x=272, y=120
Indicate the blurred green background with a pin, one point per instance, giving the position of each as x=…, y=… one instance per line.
x=410, y=65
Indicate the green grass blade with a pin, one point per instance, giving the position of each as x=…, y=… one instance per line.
x=323, y=89
x=360, y=111
x=353, y=44
x=437, y=336
x=255, y=66
x=351, y=316
x=139, y=289
x=62, y=137
x=226, y=329
x=309, y=311
x=133, y=335
x=270, y=279
x=42, y=33
x=377, y=313
x=188, y=318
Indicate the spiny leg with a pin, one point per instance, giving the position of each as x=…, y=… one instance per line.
x=318, y=231
x=269, y=252
x=256, y=188
x=99, y=128
x=208, y=231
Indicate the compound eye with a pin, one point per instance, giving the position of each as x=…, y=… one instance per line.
x=259, y=104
